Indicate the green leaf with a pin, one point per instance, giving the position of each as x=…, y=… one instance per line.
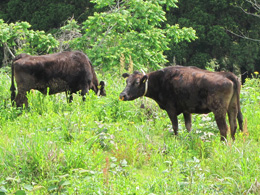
x=52, y=188
x=64, y=183
x=3, y=190
x=20, y=192
x=123, y=163
x=28, y=187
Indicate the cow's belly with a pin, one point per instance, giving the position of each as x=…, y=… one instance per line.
x=196, y=110
x=199, y=108
x=52, y=87
x=201, y=111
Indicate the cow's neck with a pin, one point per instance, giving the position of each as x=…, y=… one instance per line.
x=95, y=87
x=155, y=88
x=154, y=85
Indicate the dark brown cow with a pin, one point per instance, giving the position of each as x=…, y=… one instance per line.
x=187, y=90
x=54, y=73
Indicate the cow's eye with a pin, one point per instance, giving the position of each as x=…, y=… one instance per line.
x=137, y=82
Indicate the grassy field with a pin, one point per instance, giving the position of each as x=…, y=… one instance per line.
x=105, y=146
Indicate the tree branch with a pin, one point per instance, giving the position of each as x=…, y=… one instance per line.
x=249, y=13
x=243, y=36
x=108, y=30
x=5, y=44
x=255, y=5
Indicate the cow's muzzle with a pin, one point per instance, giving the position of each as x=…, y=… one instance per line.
x=123, y=97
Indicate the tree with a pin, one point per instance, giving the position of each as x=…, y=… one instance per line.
x=251, y=8
x=135, y=28
x=16, y=38
x=45, y=15
x=249, y=36
x=211, y=19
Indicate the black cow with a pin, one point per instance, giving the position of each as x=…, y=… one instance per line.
x=187, y=90
x=54, y=73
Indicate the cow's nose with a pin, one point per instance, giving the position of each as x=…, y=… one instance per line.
x=122, y=96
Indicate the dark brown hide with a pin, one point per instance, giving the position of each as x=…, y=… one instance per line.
x=53, y=73
x=187, y=90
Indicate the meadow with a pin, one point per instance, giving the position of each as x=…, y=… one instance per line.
x=106, y=146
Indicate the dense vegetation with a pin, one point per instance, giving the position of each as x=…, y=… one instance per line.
x=128, y=29
x=213, y=21
x=105, y=146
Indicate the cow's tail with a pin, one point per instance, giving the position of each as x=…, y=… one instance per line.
x=12, y=88
x=239, y=115
x=237, y=88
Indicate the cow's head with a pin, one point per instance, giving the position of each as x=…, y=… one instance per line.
x=101, y=89
x=136, y=86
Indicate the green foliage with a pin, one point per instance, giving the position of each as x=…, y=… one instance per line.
x=133, y=28
x=19, y=38
x=107, y=146
x=245, y=53
x=213, y=20
x=150, y=33
x=250, y=98
x=45, y=15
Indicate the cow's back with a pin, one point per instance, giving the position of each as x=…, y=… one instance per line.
x=194, y=90
x=64, y=71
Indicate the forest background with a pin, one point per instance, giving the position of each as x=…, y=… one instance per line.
x=227, y=31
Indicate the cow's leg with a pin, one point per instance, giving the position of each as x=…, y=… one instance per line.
x=232, y=116
x=84, y=91
x=222, y=125
x=174, y=121
x=69, y=96
x=240, y=120
x=25, y=82
x=187, y=119
x=21, y=99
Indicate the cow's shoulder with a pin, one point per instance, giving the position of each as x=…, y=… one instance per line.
x=20, y=56
x=175, y=72
x=190, y=76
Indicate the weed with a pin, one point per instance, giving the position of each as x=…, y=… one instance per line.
x=104, y=146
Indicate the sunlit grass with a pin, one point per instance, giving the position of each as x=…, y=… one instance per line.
x=105, y=146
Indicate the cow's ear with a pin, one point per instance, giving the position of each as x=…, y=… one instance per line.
x=125, y=75
x=144, y=79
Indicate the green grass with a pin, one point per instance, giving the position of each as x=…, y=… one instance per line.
x=105, y=146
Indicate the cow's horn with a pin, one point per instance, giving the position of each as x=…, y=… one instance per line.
x=143, y=72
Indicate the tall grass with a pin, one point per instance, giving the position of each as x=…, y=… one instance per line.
x=104, y=146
